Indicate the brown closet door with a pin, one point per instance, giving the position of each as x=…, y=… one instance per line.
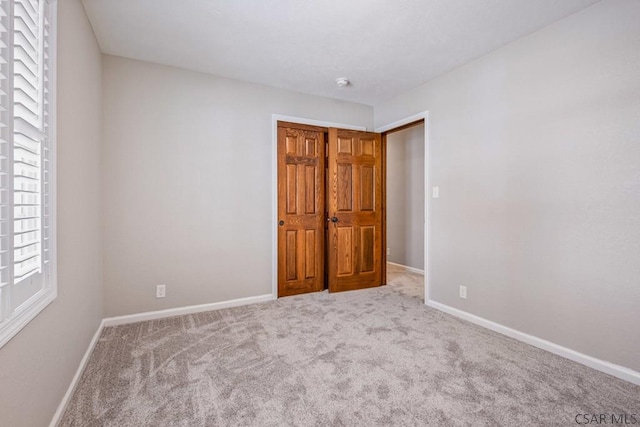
x=355, y=208
x=301, y=216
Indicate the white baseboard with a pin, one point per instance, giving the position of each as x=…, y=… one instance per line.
x=407, y=268
x=597, y=364
x=83, y=363
x=171, y=312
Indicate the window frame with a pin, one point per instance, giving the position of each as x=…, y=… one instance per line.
x=30, y=309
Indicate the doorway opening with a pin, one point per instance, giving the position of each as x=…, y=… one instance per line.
x=405, y=207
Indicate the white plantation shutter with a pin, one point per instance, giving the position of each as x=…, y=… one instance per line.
x=26, y=285
x=6, y=274
x=29, y=137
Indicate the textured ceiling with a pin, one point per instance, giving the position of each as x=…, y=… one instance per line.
x=383, y=47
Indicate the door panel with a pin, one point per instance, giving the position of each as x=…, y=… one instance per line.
x=292, y=189
x=301, y=210
x=355, y=205
x=291, y=250
x=367, y=188
x=345, y=188
x=344, y=250
x=367, y=254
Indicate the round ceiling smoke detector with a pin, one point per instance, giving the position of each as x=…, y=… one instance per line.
x=342, y=82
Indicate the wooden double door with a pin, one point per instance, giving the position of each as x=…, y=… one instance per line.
x=330, y=209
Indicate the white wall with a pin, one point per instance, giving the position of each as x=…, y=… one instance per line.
x=187, y=183
x=405, y=197
x=536, y=150
x=37, y=365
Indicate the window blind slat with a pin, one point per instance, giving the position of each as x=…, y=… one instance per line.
x=21, y=69
x=27, y=47
x=21, y=126
x=32, y=5
x=22, y=25
x=25, y=85
x=24, y=142
x=23, y=57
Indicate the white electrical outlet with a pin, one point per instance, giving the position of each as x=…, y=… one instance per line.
x=161, y=291
x=388, y=251
x=436, y=192
x=463, y=292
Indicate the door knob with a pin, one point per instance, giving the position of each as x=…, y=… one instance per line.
x=334, y=219
x=281, y=223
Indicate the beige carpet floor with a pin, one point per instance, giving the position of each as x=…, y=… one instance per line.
x=372, y=357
